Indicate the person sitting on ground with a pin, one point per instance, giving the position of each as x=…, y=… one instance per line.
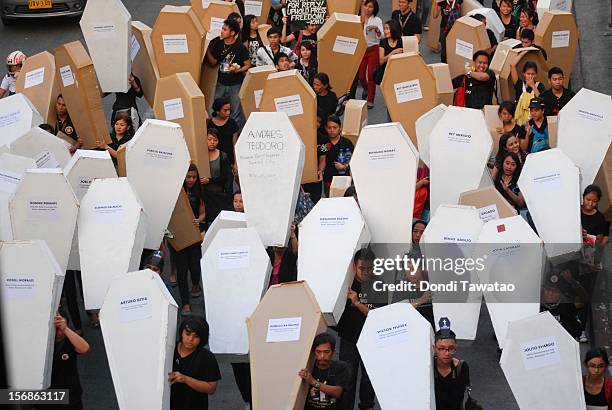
x=536, y=129
x=597, y=387
x=557, y=96
x=328, y=379
x=478, y=80
x=506, y=179
x=267, y=54
x=451, y=375
x=525, y=89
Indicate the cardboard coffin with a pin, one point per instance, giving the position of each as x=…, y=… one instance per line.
x=47, y=150
x=178, y=99
x=263, y=33
x=558, y=34
x=44, y=207
x=410, y=44
x=341, y=45
x=12, y=168
x=178, y=41
x=459, y=147
x=604, y=181
x=551, y=177
x=330, y=235
x=111, y=222
x=184, y=232
x=17, y=116
x=489, y=202
x=470, y=5
x=553, y=128
x=343, y=6
x=252, y=88
x=258, y=8
x=432, y=38
x=493, y=123
x=270, y=155
x=385, y=153
x=513, y=254
x=444, y=83
x=236, y=273
x=339, y=185
x=451, y=233
x=520, y=57
x=501, y=53
x=550, y=5
x=289, y=92
x=225, y=220
x=208, y=75
x=214, y=15
x=106, y=22
x=157, y=152
x=542, y=364
x=395, y=338
x=39, y=83
x=466, y=37
x=494, y=23
x=144, y=65
x=138, y=322
x=409, y=89
x=79, y=87
x=424, y=125
x=585, y=132
x=81, y=170
x=355, y=118
x=284, y=324
x=32, y=284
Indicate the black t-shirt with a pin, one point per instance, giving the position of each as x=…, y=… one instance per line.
x=511, y=27
x=115, y=143
x=384, y=43
x=328, y=103
x=312, y=38
x=554, y=104
x=253, y=45
x=451, y=389
x=565, y=314
x=226, y=134
x=410, y=23
x=477, y=93
x=331, y=153
x=352, y=320
x=66, y=126
x=492, y=38
x=128, y=100
x=594, y=224
x=336, y=375
x=65, y=372
x=201, y=365
x=518, y=88
x=227, y=55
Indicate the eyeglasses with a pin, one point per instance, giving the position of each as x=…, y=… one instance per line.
x=447, y=349
x=596, y=366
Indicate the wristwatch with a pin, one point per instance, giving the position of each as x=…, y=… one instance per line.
x=317, y=385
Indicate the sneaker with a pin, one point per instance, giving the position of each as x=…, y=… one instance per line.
x=583, y=338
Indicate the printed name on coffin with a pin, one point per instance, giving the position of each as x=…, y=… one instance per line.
x=135, y=300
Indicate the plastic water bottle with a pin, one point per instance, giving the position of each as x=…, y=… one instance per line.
x=347, y=155
x=342, y=160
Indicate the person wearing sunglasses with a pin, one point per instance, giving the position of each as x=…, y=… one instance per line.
x=14, y=62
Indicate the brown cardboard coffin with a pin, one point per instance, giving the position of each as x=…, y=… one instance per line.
x=213, y=16
x=38, y=82
x=493, y=122
x=208, y=76
x=444, y=83
x=144, y=65
x=184, y=232
x=432, y=38
x=467, y=36
x=252, y=88
x=343, y=6
x=520, y=56
x=485, y=197
x=355, y=118
x=558, y=34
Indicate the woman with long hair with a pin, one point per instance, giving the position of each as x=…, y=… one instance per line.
x=121, y=134
x=373, y=30
x=508, y=143
x=307, y=64
x=390, y=45
x=506, y=181
x=227, y=128
x=527, y=19
x=251, y=38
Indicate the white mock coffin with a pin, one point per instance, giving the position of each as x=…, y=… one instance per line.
x=44, y=207
x=225, y=220
x=395, y=338
x=111, y=222
x=107, y=29
x=138, y=320
x=12, y=168
x=584, y=132
x=385, y=153
x=81, y=170
x=157, y=159
x=235, y=275
x=550, y=177
x=452, y=232
x=270, y=157
x=494, y=23
x=459, y=148
x=32, y=284
x=424, y=126
x=47, y=150
x=549, y=5
x=514, y=255
x=541, y=362
x=329, y=237
x=17, y=116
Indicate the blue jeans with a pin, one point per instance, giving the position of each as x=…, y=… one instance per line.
x=231, y=93
x=350, y=355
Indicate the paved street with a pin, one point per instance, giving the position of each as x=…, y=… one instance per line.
x=489, y=384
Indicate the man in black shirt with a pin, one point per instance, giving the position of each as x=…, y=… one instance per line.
x=558, y=95
x=233, y=60
x=409, y=22
x=479, y=82
x=451, y=375
x=329, y=378
x=64, y=124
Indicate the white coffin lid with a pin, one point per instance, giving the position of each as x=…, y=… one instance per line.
x=424, y=126
x=550, y=177
x=47, y=150
x=157, y=159
x=104, y=231
x=396, y=338
x=44, y=207
x=107, y=28
x=270, y=177
x=549, y=382
x=494, y=23
x=457, y=161
x=17, y=116
x=27, y=314
x=330, y=235
x=138, y=322
x=514, y=254
x=546, y=5
x=81, y=170
x=225, y=220
x=12, y=168
x=387, y=207
x=454, y=224
x=235, y=274
x=584, y=132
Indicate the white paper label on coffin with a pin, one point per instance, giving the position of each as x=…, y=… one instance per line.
x=408, y=91
x=134, y=48
x=345, y=45
x=43, y=209
x=560, y=39
x=20, y=285
x=383, y=156
x=66, y=75
x=216, y=24
x=290, y=105
x=9, y=181
x=257, y=94
x=173, y=109
x=540, y=353
x=6, y=120
x=109, y=213
x=252, y=7
x=333, y=223
x=45, y=160
x=106, y=30
x=464, y=49
x=284, y=330
x=175, y=43
x=234, y=258
x=34, y=77
x=488, y=213
x=134, y=307
x=396, y=333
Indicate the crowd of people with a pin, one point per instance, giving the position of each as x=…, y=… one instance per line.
x=333, y=383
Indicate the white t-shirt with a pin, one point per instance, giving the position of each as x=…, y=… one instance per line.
x=371, y=36
x=8, y=83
